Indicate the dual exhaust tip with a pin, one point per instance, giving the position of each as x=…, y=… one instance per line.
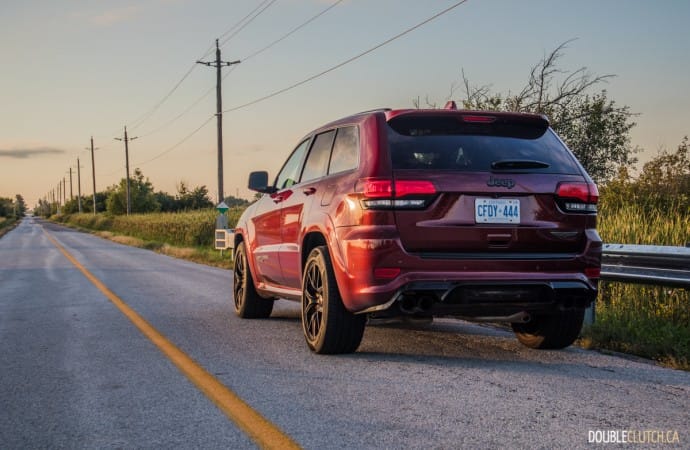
x=416, y=304
x=423, y=304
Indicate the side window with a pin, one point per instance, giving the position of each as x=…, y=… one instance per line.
x=345, y=150
x=290, y=172
x=316, y=165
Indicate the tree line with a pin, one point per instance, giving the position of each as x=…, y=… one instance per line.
x=143, y=199
x=12, y=208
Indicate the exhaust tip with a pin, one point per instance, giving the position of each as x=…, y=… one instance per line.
x=425, y=303
x=413, y=304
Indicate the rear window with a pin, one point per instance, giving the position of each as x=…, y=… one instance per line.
x=445, y=143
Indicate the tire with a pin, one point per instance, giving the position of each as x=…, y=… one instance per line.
x=328, y=327
x=552, y=331
x=248, y=303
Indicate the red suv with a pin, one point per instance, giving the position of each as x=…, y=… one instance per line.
x=484, y=216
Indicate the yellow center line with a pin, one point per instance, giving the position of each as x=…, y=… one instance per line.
x=258, y=428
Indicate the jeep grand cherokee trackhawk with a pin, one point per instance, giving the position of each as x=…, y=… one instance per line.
x=484, y=216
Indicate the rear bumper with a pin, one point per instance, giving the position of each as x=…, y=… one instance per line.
x=469, y=285
x=488, y=299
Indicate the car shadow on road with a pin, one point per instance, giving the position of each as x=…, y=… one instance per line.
x=457, y=344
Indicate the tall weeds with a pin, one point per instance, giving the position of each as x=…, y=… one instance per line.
x=650, y=321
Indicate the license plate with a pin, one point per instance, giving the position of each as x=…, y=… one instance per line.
x=495, y=210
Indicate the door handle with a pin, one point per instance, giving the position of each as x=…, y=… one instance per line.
x=309, y=191
x=282, y=196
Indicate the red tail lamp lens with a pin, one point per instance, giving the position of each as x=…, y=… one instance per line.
x=575, y=191
x=412, y=187
x=377, y=188
x=388, y=194
x=372, y=188
x=578, y=197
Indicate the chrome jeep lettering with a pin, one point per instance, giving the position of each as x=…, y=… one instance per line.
x=501, y=182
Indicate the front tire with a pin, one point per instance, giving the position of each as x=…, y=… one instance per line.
x=248, y=303
x=328, y=327
x=550, y=331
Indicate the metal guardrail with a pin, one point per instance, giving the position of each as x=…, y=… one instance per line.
x=656, y=265
x=646, y=264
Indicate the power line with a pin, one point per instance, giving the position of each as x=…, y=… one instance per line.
x=137, y=123
x=297, y=28
x=237, y=24
x=168, y=150
x=183, y=113
x=250, y=20
x=144, y=117
x=182, y=141
x=295, y=85
x=347, y=61
x=250, y=56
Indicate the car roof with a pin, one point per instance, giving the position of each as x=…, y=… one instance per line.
x=389, y=114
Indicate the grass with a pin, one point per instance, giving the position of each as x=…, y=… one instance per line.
x=6, y=224
x=648, y=321
x=181, y=235
x=634, y=224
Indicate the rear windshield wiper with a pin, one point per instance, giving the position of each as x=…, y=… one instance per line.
x=509, y=164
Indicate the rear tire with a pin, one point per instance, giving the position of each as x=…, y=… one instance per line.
x=550, y=331
x=248, y=303
x=328, y=327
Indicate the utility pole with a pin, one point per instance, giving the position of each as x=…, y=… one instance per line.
x=71, y=196
x=79, y=185
x=93, y=173
x=126, y=139
x=64, y=192
x=219, y=113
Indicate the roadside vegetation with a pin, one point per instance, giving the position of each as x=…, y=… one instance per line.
x=11, y=211
x=188, y=234
x=651, y=209
x=649, y=206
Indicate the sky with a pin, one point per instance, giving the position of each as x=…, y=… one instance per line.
x=73, y=69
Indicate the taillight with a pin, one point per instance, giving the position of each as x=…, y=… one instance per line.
x=403, y=194
x=377, y=188
x=578, y=197
x=413, y=187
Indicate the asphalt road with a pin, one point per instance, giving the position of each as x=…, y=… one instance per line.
x=76, y=373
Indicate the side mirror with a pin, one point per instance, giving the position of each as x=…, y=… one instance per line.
x=258, y=181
